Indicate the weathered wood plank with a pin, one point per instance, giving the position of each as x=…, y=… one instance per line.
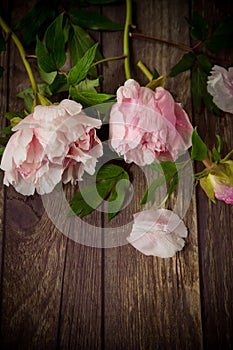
x=215, y=221
x=34, y=250
x=152, y=303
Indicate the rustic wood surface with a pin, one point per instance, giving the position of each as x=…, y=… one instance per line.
x=59, y=294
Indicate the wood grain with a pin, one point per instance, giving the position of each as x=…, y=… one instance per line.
x=59, y=291
x=153, y=303
x=34, y=251
x=215, y=223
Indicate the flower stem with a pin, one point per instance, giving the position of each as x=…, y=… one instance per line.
x=22, y=53
x=145, y=70
x=207, y=163
x=108, y=59
x=179, y=46
x=128, y=22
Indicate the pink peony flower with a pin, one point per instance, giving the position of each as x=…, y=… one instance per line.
x=158, y=232
x=220, y=86
x=147, y=126
x=41, y=148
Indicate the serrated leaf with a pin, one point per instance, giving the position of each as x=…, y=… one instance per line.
x=93, y=20
x=186, y=62
x=88, y=99
x=44, y=59
x=88, y=85
x=199, y=148
x=199, y=27
x=82, y=67
x=208, y=188
x=79, y=42
x=55, y=41
x=34, y=22
x=47, y=77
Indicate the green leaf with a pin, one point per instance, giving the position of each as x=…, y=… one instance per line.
x=199, y=27
x=79, y=42
x=149, y=195
x=93, y=20
x=200, y=93
x=80, y=70
x=199, y=149
x=107, y=179
x=118, y=196
x=88, y=85
x=59, y=84
x=28, y=96
x=34, y=22
x=6, y=131
x=55, y=41
x=166, y=168
x=2, y=149
x=44, y=59
x=11, y=115
x=219, y=143
x=47, y=77
x=88, y=99
x=208, y=188
x=204, y=63
x=222, y=36
x=155, y=74
x=216, y=155
x=186, y=62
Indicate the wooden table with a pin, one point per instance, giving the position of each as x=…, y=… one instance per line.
x=60, y=294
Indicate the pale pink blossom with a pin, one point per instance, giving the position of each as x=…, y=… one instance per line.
x=220, y=86
x=36, y=154
x=148, y=126
x=158, y=232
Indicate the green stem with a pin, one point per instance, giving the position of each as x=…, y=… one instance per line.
x=228, y=156
x=128, y=22
x=22, y=53
x=145, y=70
x=108, y=59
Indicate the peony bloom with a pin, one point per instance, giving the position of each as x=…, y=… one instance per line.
x=220, y=86
x=148, y=126
x=158, y=232
x=36, y=154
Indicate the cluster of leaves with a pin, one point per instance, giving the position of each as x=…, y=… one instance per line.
x=214, y=39
x=56, y=35
x=112, y=184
